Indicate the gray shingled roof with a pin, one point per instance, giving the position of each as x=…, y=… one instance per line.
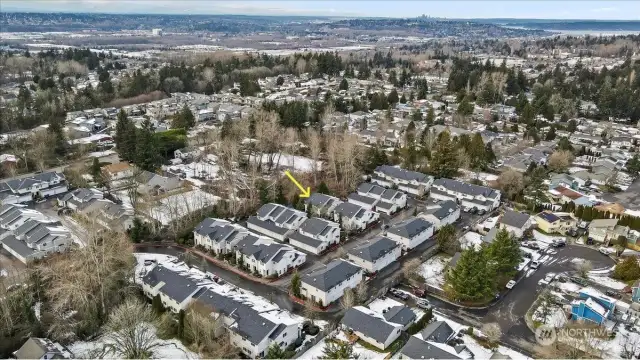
x=398, y=173
x=316, y=226
x=305, y=240
x=514, y=218
x=410, y=228
x=418, y=349
x=400, y=315
x=363, y=199
x=438, y=331
x=267, y=225
x=261, y=252
x=348, y=210
x=374, y=250
x=317, y=199
x=176, y=286
x=18, y=246
x=369, y=325
x=444, y=209
x=217, y=230
x=469, y=189
x=331, y=275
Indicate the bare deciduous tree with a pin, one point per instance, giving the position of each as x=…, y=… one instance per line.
x=492, y=332
x=362, y=292
x=411, y=271
x=560, y=160
x=314, y=141
x=583, y=267
x=511, y=182
x=348, y=300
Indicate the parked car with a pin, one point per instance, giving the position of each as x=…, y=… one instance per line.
x=535, y=264
x=399, y=294
x=613, y=294
x=423, y=304
x=481, y=212
x=465, y=228
x=579, y=280
x=466, y=209
x=526, y=254
x=605, y=251
x=511, y=284
x=559, y=243
x=531, y=245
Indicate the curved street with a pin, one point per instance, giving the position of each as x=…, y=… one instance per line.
x=509, y=311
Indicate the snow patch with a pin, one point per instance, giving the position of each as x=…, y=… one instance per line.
x=433, y=269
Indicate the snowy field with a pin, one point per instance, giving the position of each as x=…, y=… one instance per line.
x=432, y=270
x=471, y=239
x=607, y=282
x=166, y=349
x=556, y=317
x=297, y=163
x=174, y=207
x=471, y=175
x=196, y=172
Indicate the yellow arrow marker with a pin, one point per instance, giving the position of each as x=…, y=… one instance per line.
x=303, y=193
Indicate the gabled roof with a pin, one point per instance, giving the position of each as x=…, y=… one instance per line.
x=400, y=315
x=176, y=286
x=318, y=199
x=444, y=209
x=419, y=349
x=374, y=250
x=362, y=199
x=349, y=210
x=402, y=174
x=331, y=274
x=219, y=230
x=267, y=225
x=37, y=348
x=317, y=226
x=438, y=331
x=261, y=249
x=514, y=218
x=468, y=189
x=369, y=325
x=410, y=228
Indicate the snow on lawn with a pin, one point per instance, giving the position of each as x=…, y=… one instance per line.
x=269, y=310
x=297, y=163
x=568, y=287
x=471, y=239
x=556, y=317
x=607, y=282
x=174, y=207
x=602, y=271
x=316, y=352
x=196, y=171
x=432, y=270
x=166, y=349
x=99, y=154
x=381, y=304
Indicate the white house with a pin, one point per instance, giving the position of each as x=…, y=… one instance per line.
x=395, y=197
x=411, y=233
x=79, y=199
x=187, y=153
x=118, y=171
x=370, y=327
x=515, y=222
x=327, y=284
x=622, y=142
x=315, y=235
x=276, y=221
x=176, y=291
x=250, y=330
x=411, y=182
x=363, y=201
x=265, y=257
x=354, y=217
x=321, y=205
x=442, y=213
x=376, y=254
x=467, y=195
x=218, y=235
x=16, y=191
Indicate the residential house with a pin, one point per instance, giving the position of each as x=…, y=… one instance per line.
x=327, y=284
x=394, y=197
x=315, y=235
x=363, y=201
x=411, y=182
x=267, y=258
x=218, y=235
x=603, y=230
x=566, y=195
x=592, y=306
x=42, y=349
x=374, y=255
x=154, y=184
x=276, y=221
x=411, y=233
x=354, y=217
x=400, y=315
x=622, y=142
x=551, y=223
x=515, y=222
x=467, y=195
x=437, y=331
x=29, y=235
x=417, y=348
x=442, y=213
x=80, y=199
x=370, y=328
x=112, y=216
x=188, y=153
x=321, y=204
x=118, y=171
x=250, y=330
x=176, y=291
x=43, y=185
x=565, y=180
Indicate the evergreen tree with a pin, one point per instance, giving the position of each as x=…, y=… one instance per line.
x=633, y=165
x=296, y=282
x=477, y=152
x=392, y=98
x=280, y=198
x=472, y=279
x=147, y=157
x=446, y=239
x=280, y=81
x=342, y=350
x=551, y=134
x=627, y=269
x=156, y=304
x=125, y=137
x=579, y=211
x=403, y=99
x=184, y=119
x=537, y=190
x=344, y=85
x=490, y=156
x=505, y=252
x=416, y=115
x=572, y=126
x=465, y=107
x=431, y=116
x=275, y=352
x=323, y=188
x=587, y=214
x=56, y=128
x=444, y=162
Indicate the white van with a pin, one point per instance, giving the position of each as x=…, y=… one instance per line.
x=535, y=264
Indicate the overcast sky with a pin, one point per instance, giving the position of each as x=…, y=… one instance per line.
x=549, y=9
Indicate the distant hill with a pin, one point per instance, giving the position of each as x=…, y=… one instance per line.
x=571, y=25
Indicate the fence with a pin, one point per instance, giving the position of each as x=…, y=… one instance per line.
x=306, y=345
